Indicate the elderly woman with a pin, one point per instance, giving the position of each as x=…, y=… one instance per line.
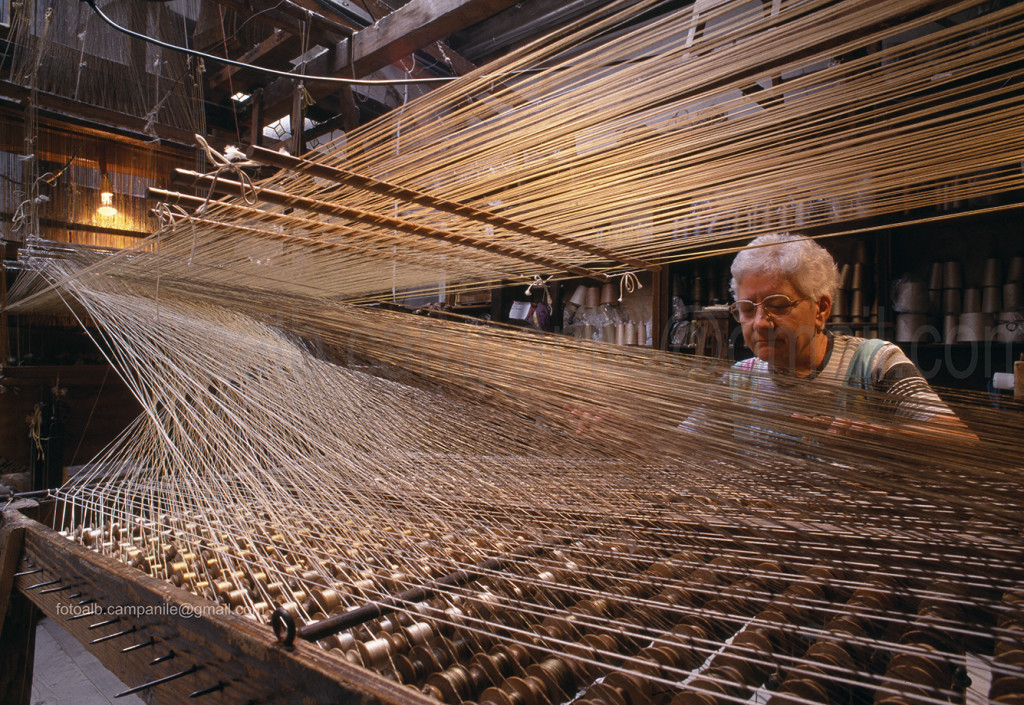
x=784, y=286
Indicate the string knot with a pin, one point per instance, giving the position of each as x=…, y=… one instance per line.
x=231, y=162
x=628, y=283
x=539, y=283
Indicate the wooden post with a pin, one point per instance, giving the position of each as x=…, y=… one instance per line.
x=4, y=332
x=298, y=120
x=661, y=307
x=18, y=619
x=256, y=118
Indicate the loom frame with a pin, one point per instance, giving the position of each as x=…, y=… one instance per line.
x=231, y=650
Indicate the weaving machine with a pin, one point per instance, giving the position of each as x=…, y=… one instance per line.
x=369, y=506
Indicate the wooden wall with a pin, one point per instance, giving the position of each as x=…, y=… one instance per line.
x=98, y=407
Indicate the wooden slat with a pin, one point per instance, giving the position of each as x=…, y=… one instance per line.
x=11, y=540
x=238, y=652
x=227, y=187
x=343, y=176
x=408, y=29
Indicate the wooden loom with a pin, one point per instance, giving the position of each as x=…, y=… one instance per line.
x=663, y=572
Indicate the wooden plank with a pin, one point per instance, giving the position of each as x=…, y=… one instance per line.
x=661, y=308
x=416, y=24
x=377, y=221
x=17, y=651
x=58, y=108
x=273, y=52
x=408, y=29
x=236, y=652
x=343, y=176
x=5, y=334
x=443, y=54
x=18, y=617
x=11, y=540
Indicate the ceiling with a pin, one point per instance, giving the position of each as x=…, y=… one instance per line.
x=421, y=41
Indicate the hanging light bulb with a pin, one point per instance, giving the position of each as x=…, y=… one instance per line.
x=106, y=208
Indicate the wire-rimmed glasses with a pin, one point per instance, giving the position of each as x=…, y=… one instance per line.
x=774, y=305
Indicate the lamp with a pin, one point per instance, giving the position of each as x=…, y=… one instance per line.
x=106, y=208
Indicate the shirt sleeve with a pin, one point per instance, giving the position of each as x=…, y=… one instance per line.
x=907, y=391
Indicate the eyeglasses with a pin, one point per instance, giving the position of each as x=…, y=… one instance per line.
x=774, y=305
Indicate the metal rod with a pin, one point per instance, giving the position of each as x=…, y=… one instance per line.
x=112, y=620
x=160, y=659
x=158, y=681
x=224, y=186
x=130, y=630
x=366, y=183
x=39, y=585
x=32, y=493
x=28, y=572
x=93, y=613
x=56, y=589
x=149, y=642
x=373, y=610
x=206, y=691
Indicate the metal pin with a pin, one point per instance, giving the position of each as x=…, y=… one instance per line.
x=86, y=601
x=104, y=623
x=28, y=572
x=91, y=613
x=77, y=594
x=39, y=585
x=158, y=681
x=207, y=691
x=130, y=630
x=148, y=642
x=161, y=659
x=56, y=589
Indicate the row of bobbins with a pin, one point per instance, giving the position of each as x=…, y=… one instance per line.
x=922, y=666
x=818, y=674
x=545, y=680
x=713, y=607
x=217, y=573
x=1007, y=686
x=758, y=651
x=968, y=314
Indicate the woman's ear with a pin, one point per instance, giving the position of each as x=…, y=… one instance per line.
x=824, y=311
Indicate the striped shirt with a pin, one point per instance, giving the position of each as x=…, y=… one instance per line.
x=894, y=387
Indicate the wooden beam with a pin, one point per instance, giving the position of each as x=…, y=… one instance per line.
x=291, y=222
x=11, y=539
x=349, y=178
x=226, y=187
x=290, y=17
x=233, y=650
x=18, y=618
x=274, y=51
x=4, y=333
x=417, y=24
x=59, y=108
x=256, y=118
x=298, y=121
x=408, y=29
x=81, y=227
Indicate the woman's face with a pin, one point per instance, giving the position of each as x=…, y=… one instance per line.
x=784, y=341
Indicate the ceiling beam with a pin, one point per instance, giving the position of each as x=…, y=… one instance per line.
x=404, y=31
x=443, y=54
x=417, y=24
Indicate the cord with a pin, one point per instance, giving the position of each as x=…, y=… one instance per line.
x=240, y=64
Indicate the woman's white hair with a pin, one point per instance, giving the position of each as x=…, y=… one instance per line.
x=807, y=265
